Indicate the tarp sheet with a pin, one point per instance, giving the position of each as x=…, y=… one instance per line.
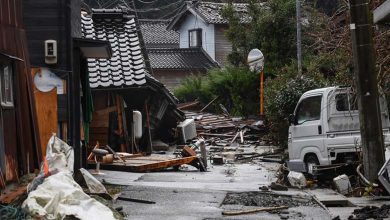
x=59, y=195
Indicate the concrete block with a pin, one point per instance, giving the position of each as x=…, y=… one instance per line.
x=296, y=179
x=342, y=183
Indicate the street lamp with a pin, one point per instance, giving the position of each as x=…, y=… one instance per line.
x=256, y=64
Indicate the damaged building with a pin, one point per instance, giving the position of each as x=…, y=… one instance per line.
x=124, y=93
x=18, y=132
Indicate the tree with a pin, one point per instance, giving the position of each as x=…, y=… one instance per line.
x=271, y=29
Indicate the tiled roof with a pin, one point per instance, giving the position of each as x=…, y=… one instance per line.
x=156, y=35
x=180, y=58
x=211, y=12
x=126, y=67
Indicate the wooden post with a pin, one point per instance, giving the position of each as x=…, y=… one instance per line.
x=149, y=149
x=119, y=103
x=203, y=152
x=74, y=112
x=367, y=88
x=262, y=93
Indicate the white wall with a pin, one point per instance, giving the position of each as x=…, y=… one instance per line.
x=208, y=36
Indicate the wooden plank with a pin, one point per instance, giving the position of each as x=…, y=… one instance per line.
x=46, y=108
x=106, y=110
x=187, y=151
x=98, y=136
x=165, y=164
x=250, y=211
x=14, y=194
x=99, y=130
x=216, y=135
x=144, y=167
x=148, y=159
x=100, y=120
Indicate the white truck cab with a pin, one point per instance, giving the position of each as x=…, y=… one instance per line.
x=325, y=129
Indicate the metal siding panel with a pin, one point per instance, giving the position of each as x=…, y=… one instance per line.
x=11, y=165
x=19, y=137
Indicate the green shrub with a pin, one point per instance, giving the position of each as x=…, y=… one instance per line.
x=281, y=96
x=191, y=89
x=236, y=88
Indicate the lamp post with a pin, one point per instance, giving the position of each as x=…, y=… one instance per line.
x=256, y=64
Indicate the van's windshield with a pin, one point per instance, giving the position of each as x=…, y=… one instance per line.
x=309, y=109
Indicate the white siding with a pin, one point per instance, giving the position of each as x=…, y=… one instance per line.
x=208, y=39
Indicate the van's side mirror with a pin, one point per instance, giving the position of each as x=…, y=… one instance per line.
x=291, y=119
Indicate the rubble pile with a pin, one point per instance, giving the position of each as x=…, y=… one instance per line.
x=233, y=138
x=371, y=212
x=264, y=199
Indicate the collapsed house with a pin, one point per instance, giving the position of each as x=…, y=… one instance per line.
x=130, y=107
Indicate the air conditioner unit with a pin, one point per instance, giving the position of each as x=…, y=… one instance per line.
x=187, y=130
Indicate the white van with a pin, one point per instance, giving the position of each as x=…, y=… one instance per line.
x=325, y=129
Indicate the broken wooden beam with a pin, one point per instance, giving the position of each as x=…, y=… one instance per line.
x=250, y=211
x=136, y=200
x=145, y=164
x=216, y=135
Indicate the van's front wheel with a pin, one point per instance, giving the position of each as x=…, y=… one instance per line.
x=310, y=161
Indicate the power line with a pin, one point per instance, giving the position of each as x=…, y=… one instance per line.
x=179, y=14
x=147, y=2
x=156, y=9
x=173, y=12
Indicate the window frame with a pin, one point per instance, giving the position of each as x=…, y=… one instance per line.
x=300, y=105
x=4, y=63
x=199, y=34
x=350, y=101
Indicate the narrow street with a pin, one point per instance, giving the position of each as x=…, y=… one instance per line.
x=200, y=195
x=194, y=109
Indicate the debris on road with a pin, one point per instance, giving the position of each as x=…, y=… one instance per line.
x=278, y=187
x=371, y=212
x=135, y=200
x=342, y=183
x=296, y=179
x=146, y=163
x=250, y=211
x=267, y=199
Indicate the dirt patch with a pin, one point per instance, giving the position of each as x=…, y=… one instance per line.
x=263, y=199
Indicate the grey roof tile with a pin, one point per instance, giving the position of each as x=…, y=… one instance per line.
x=126, y=67
x=180, y=58
x=156, y=35
x=212, y=12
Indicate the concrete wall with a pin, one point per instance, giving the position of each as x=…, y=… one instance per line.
x=208, y=34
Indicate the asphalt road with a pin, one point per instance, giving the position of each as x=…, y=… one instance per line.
x=190, y=194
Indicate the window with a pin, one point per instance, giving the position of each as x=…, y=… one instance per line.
x=6, y=85
x=309, y=109
x=195, y=37
x=346, y=102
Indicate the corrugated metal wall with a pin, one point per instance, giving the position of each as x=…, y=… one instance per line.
x=20, y=133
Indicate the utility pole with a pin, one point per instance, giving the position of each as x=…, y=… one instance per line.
x=366, y=80
x=299, y=47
